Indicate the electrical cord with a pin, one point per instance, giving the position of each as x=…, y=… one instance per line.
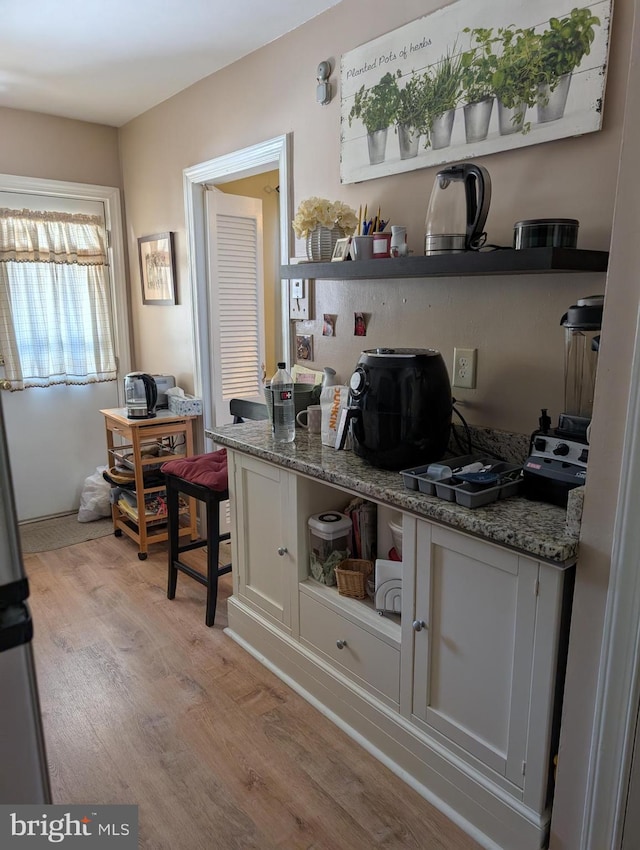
x=467, y=432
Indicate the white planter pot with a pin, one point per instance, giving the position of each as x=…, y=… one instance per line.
x=551, y=104
x=476, y=119
x=408, y=139
x=377, y=143
x=511, y=119
x=441, y=130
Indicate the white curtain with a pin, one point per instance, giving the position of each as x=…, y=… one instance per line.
x=55, y=308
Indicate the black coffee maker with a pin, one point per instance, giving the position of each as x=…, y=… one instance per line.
x=400, y=407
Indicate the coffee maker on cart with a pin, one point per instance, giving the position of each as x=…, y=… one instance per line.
x=558, y=457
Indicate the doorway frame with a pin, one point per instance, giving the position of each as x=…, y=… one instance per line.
x=246, y=162
x=110, y=196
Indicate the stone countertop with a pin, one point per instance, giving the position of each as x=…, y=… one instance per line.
x=533, y=528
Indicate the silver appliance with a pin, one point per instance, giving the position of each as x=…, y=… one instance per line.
x=458, y=209
x=558, y=457
x=163, y=383
x=24, y=776
x=141, y=395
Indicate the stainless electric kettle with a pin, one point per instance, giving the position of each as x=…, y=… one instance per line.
x=458, y=209
x=141, y=395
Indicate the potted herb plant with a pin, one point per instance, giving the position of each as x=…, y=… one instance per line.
x=376, y=108
x=563, y=45
x=411, y=113
x=444, y=96
x=516, y=78
x=478, y=66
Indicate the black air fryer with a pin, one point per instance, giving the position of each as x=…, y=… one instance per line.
x=400, y=406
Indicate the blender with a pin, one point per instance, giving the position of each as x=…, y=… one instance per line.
x=558, y=457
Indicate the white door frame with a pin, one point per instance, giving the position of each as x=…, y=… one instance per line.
x=110, y=196
x=266, y=156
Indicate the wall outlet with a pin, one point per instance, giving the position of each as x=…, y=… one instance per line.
x=464, y=367
x=299, y=300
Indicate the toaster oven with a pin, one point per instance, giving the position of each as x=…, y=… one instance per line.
x=163, y=383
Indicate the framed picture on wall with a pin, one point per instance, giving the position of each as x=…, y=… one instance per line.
x=157, y=269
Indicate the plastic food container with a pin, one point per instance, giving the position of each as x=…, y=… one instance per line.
x=546, y=233
x=329, y=544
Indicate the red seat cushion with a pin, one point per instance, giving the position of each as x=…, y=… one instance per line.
x=208, y=470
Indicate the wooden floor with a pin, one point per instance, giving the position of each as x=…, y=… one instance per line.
x=143, y=704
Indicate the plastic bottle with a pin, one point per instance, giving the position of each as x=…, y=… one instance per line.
x=284, y=411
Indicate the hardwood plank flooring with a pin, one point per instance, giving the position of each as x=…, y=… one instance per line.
x=143, y=704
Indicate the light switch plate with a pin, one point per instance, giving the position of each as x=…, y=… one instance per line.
x=300, y=300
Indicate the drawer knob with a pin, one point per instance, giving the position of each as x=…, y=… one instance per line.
x=282, y=551
x=341, y=644
x=418, y=625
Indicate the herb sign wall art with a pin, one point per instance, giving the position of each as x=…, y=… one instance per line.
x=473, y=79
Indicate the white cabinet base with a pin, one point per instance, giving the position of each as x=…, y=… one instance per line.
x=479, y=806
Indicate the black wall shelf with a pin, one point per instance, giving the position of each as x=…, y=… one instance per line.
x=507, y=261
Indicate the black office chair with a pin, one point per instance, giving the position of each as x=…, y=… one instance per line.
x=242, y=408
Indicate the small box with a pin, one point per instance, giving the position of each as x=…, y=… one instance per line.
x=329, y=544
x=186, y=405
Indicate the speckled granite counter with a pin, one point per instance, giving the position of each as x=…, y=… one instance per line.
x=533, y=528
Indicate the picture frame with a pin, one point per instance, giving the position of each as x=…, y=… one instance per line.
x=157, y=269
x=304, y=347
x=341, y=250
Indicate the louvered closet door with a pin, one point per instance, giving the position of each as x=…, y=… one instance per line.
x=236, y=304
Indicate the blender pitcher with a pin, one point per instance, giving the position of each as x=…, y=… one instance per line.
x=582, y=323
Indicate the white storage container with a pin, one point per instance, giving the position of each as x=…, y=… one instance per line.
x=329, y=544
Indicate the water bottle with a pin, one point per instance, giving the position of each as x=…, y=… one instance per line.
x=284, y=411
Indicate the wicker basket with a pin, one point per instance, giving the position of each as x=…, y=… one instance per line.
x=351, y=576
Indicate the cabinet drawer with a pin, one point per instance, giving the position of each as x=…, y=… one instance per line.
x=364, y=657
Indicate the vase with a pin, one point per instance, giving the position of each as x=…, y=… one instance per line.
x=377, y=145
x=551, y=104
x=408, y=139
x=511, y=118
x=476, y=119
x=321, y=242
x=441, y=128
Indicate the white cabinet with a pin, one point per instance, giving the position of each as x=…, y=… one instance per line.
x=263, y=497
x=485, y=629
x=460, y=694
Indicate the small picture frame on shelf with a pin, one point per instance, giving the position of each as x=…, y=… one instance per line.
x=157, y=269
x=341, y=250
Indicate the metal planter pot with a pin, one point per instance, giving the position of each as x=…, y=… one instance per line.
x=476, y=119
x=551, y=104
x=441, y=129
x=408, y=139
x=511, y=119
x=377, y=142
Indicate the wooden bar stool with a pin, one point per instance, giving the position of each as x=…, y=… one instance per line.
x=201, y=477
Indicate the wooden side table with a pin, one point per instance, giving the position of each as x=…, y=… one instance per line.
x=130, y=443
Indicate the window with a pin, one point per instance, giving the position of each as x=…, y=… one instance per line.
x=55, y=311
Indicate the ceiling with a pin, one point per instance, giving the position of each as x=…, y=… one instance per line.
x=107, y=61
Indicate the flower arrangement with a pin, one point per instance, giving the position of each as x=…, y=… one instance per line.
x=319, y=212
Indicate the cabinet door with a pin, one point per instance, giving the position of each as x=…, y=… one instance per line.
x=473, y=658
x=265, y=544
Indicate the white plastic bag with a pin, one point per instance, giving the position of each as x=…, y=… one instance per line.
x=94, y=499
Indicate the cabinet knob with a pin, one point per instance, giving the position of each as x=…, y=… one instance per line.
x=341, y=644
x=418, y=625
x=282, y=551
